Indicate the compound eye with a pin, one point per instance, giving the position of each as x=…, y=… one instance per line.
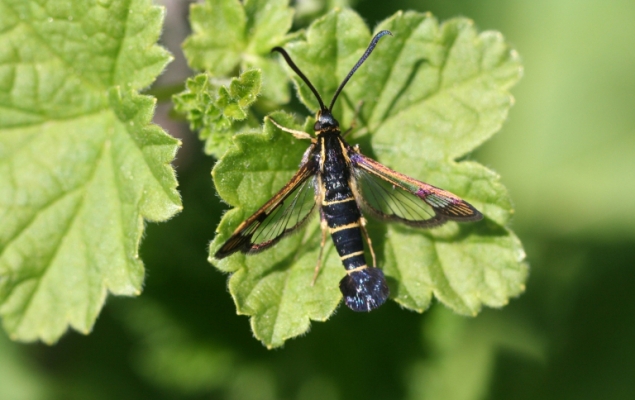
x=317, y=126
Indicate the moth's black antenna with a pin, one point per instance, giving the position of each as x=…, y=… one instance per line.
x=369, y=50
x=300, y=74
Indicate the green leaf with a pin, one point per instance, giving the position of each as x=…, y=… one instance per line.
x=215, y=111
x=81, y=165
x=431, y=94
x=229, y=35
x=308, y=10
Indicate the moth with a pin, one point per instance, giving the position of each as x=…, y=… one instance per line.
x=340, y=182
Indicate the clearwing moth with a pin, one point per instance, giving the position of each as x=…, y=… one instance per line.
x=343, y=182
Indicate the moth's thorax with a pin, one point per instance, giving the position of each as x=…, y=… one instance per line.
x=325, y=122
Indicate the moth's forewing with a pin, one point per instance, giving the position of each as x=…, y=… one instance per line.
x=281, y=215
x=393, y=196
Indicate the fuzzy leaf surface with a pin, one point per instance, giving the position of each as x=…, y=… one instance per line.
x=81, y=165
x=431, y=93
x=218, y=111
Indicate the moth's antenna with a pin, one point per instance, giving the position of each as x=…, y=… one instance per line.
x=300, y=74
x=369, y=50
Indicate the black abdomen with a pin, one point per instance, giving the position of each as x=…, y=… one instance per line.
x=343, y=220
x=339, y=207
x=364, y=288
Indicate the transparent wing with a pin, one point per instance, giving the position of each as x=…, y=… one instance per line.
x=281, y=215
x=393, y=196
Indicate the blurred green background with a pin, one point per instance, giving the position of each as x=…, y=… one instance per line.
x=567, y=154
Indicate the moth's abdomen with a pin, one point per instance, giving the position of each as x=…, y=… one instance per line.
x=343, y=220
x=342, y=216
x=364, y=288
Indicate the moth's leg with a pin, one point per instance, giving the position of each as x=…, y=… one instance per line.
x=370, y=242
x=296, y=134
x=358, y=109
x=325, y=229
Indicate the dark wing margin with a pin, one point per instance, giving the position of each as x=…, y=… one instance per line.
x=392, y=196
x=281, y=215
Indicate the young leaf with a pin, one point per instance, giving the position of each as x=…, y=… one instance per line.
x=230, y=34
x=216, y=111
x=81, y=165
x=431, y=94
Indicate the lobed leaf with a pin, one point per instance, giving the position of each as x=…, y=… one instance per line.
x=431, y=93
x=229, y=34
x=216, y=111
x=81, y=165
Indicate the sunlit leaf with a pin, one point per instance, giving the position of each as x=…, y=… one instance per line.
x=81, y=165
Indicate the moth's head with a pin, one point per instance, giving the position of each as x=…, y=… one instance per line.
x=325, y=121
